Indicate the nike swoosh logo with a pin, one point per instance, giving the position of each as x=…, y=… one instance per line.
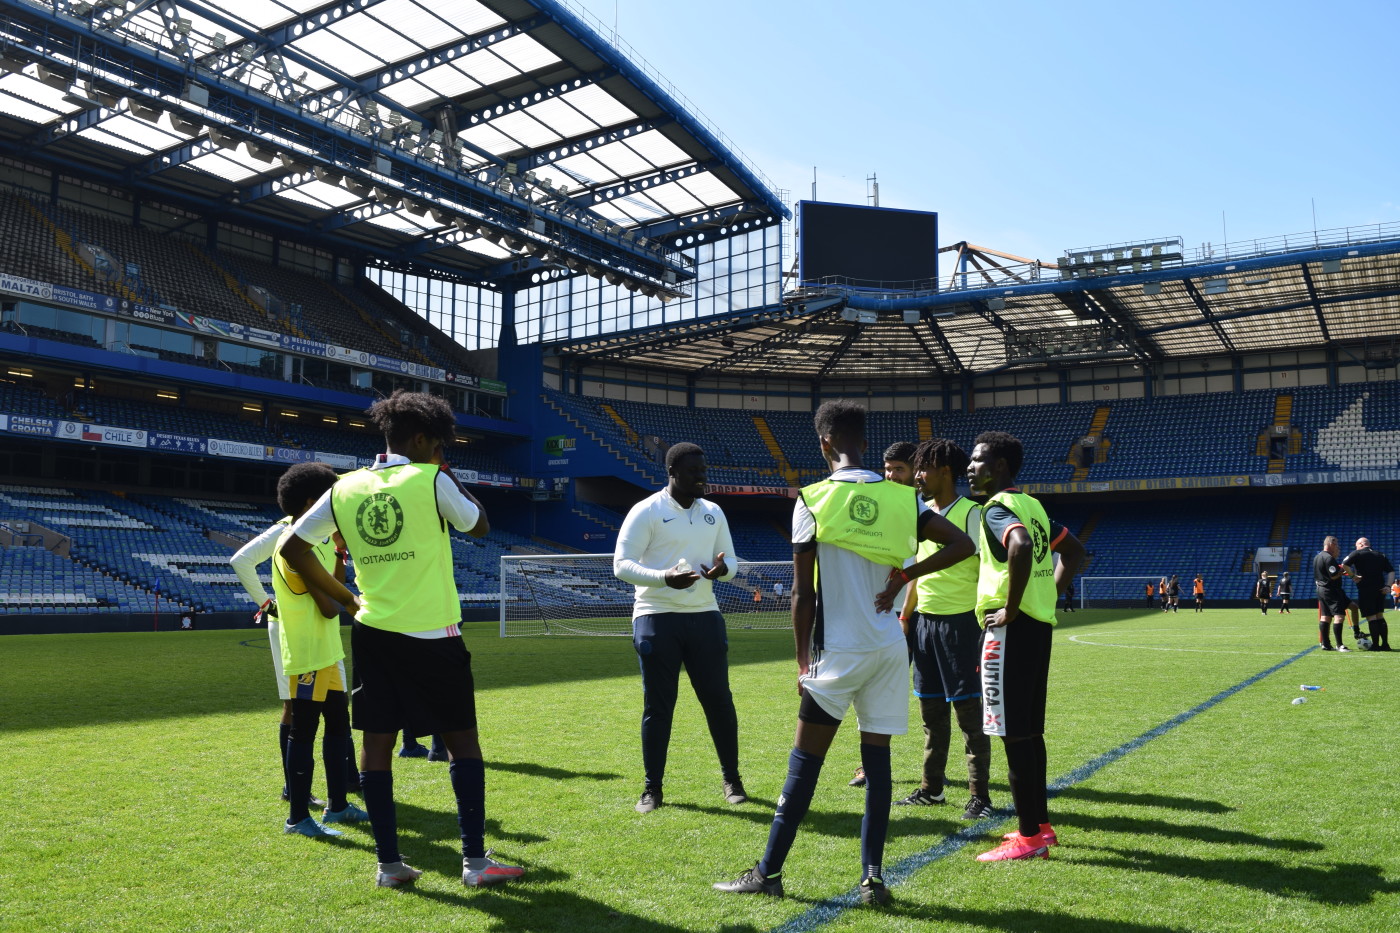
x=665, y=520
x=1346, y=443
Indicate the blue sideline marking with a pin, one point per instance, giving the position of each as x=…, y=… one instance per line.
x=833, y=907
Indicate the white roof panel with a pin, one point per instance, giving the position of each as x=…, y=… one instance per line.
x=337, y=53
x=487, y=67
x=25, y=110
x=419, y=22
x=220, y=165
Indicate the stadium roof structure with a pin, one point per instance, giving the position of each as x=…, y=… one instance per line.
x=1134, y=303
x=480, y=138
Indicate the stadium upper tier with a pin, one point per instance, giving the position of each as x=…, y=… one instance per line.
x=251, y=428
x=86, y=250
x=1350, y=426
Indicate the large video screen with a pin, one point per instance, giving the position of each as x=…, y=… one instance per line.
x=866, y=247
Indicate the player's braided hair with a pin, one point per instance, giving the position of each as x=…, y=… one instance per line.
x=940, y=452
x=675, y=452
x=840, y=418
x=404, y=414
x=303, y=481
x=900, y=452
x=1003, y=446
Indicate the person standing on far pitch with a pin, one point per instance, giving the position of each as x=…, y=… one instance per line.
x=672, y=547
x=1373, y=573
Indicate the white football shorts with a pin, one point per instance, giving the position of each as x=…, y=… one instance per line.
x=876, y=683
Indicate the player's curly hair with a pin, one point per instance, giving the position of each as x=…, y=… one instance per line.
x=900, y=452
x=404, y=414
x=841, y=418
x=675, y=452
x=301, y=482
x=940, y=452
x=1003, y=446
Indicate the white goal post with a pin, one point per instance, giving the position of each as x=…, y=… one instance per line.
x=1102, y=592
x=577, y=594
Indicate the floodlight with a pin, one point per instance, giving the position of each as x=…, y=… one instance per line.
x=1152, y=288
x=144, y=111
x=182, y=124
x=911, y=317
x=220, y=41
x=53, y=79
x=261, y=154
x=614, y=279
x=222, y=139
x=358, y=188
x=1215, y=286
x=1331, y=265
x=326, y=175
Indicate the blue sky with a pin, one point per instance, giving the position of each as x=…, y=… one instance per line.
x=1033, y=127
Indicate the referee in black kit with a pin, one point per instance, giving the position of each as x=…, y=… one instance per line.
x=1373, y=574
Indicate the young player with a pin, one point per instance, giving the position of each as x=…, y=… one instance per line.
x=850, y=649
x=899, y=468
x=245, y=563
x=1198, y=590
x=1069, y=597
x=1284, y=593
x=676, y=621
x=1017, y=588
x=412, y=671
x=1395, y=595
x=1149, y=594
x=940, y=608
x=1373, y=574
x=1174, y=593
x=1331, y=598
x=1261, y=591
x=899, y=463
x=312, y=656
x=1162, y=593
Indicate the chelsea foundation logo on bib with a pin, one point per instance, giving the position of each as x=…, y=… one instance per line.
x=864, y=510
x=1040, y=539
x=379, y=520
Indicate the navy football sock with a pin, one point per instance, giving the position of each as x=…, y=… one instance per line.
x=284, y=730
x=803, y=770
x=876, y=823
x=469, y=784
x=378, y=788
x=333, y=760
x=300, y=765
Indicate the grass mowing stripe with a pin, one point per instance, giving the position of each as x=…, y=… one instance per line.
x=831, y=908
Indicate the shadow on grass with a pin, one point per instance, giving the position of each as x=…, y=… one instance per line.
x=1163, y=801
x=1334, y=883
x=1026, y=920
x=1193, y=831
x=546, y=771
x=154, y=676
x=520, y=906
x=430, y=841
x=904, y=821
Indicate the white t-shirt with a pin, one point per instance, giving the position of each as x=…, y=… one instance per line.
x=656, y=535
x=848, y=583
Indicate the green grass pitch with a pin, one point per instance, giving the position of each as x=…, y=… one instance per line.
x=139, y=790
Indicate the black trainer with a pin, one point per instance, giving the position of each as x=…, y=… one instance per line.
x=650, y=800
x=977, y=807
x=858, y=780
x=923, y=797
x=873, y=891
x=734, y=792
x=751, y=882
x=312, y=803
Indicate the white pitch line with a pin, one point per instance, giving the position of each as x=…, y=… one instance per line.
x=1082, y=640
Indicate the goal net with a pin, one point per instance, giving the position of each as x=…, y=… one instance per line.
x=1119, y=592
x=577, y=594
